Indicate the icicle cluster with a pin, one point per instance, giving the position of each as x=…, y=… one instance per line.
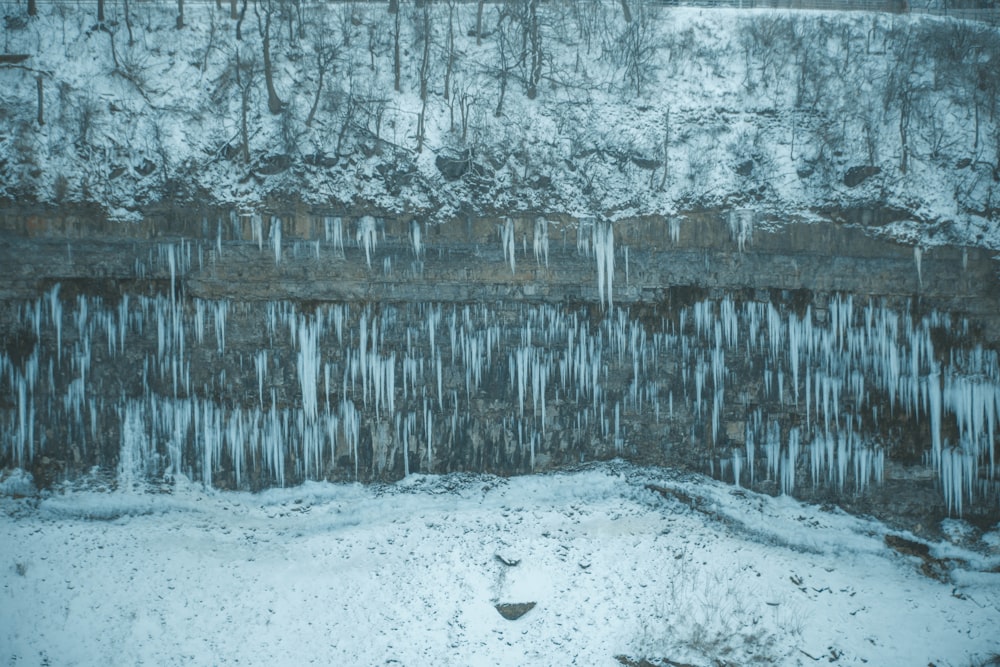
x=365, y=390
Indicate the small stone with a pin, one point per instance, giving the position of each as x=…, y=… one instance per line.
x=514, y=610
x=506, y=560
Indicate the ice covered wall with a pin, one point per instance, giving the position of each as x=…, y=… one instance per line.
x=164, y=369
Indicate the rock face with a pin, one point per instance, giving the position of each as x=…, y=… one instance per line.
x=514, y=610
x=255, y=350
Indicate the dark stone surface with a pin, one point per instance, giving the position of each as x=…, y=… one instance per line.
x=855, y=176
x=514, y=610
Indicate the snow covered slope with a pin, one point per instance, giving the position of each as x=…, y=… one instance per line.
x=569, y=110
x=619, y=561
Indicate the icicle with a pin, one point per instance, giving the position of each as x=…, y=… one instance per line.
x=221, y=309
x=308, y=365
x=276, y=239
x=737, y=466
x=367, y=236
x=415, y=239
x=604, y=252
x=541, y=241
x=674, y=229
x=55, y=307
x=789, y=464
x=741, y=227
x=507, y=242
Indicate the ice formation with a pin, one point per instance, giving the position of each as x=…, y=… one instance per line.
x=377, y=387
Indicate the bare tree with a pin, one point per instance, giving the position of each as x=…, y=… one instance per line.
x=327, y=53
x=128, y=24
x=274, y=103
x=901, y=91
x=626, y=14
x=396, y=65
x=245, y=71
x=450, y=48
x=665, y=150
x=180, y=14
x=425, y=34
x=32, y=7
x=239, y=21
x=636, y=50
x=465, y=102
x=41, y=100
x=503, y=57
x=535, y=40
x=479, y=22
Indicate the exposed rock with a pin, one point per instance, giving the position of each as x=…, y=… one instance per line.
x=506, y=560
x=540, y=182
x=274, y=164
x=145, y=168
x=321, y=160
x=645, y=163
x=857, y=175
x=935, y=568
x=907, y=546
x=745, y=168
x=514, y=610
x=453, y=167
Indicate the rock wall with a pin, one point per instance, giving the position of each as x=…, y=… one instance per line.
x=268, y=348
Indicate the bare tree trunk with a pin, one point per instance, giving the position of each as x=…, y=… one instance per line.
x=244, y=83
x=666, y=148
x=465, y=102
x=424, y=65
x=451, y=51
x=534, y=36
x=274, y=103
x=904, y=126
x=975, y=106
x=128, y=24
x=625, y=11
x=233, y=13
x=325, y=55
x=41, y=100
x=346, y=124
x=396, y=66
x=239, y=21
x=100, y=11
x=479, y=22
x=425, y=56
x=502, y=53
x=315, y=104
x=32, y=7
x=180, y=14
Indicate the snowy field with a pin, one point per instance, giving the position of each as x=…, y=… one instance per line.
x=620, y=561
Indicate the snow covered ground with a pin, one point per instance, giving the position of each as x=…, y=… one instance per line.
x=619, y=560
